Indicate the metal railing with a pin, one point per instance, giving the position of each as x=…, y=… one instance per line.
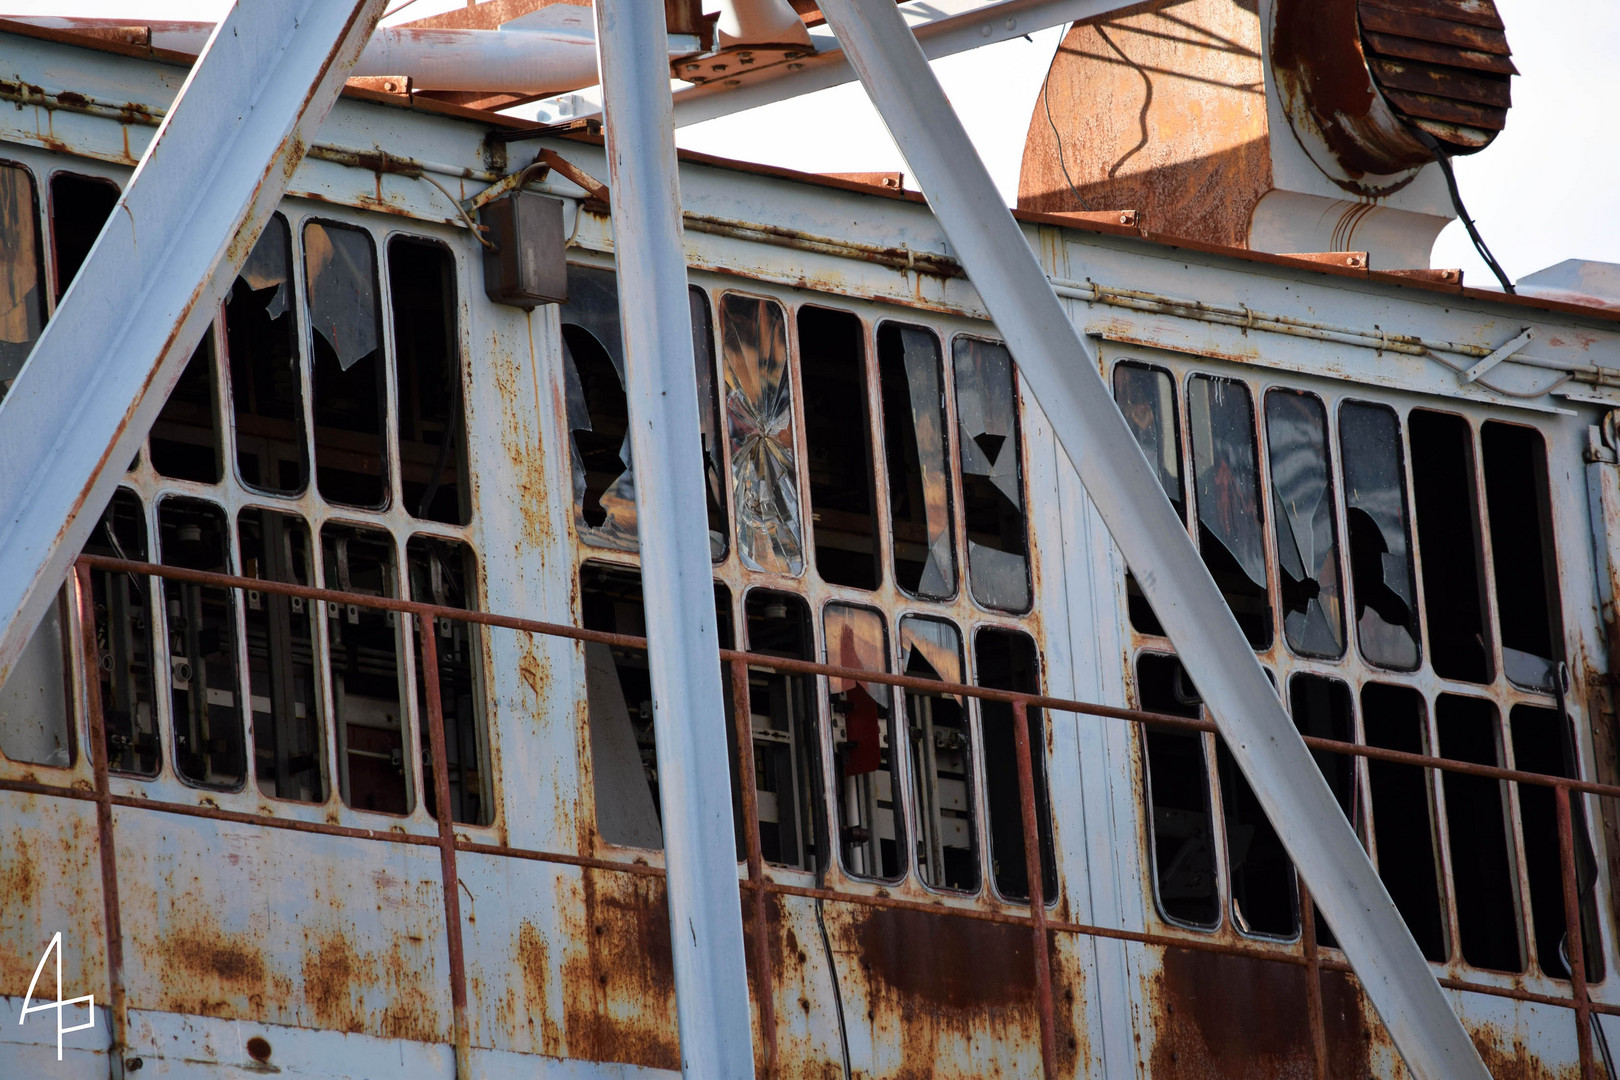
x=1040, y=922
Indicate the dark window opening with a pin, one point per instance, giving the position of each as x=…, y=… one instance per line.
x=871, y=818
x=838, y=447
x=35, y=725
x=1483, y=877
x=1146, y=397
x=363, y=657
x=1008, y=660
x=267, y=394
x=598, y=410
x=209, y=743
x=124, y=656
x=1305, y=522
x=443, y=572
x=782, y=713
x=1393, y=718
x=80, y=207
x=992, y=474
x=1381, y=577
x=1226, y=483
x=185, y=442
x=912, y=380
x=1265, y=897
x=1323, y=708
x=714, y=469
x=1543, y=742
x=1522, y=554
x=288, y=748
x=428, y=373
x=941, y=756
x=347, y=370
x=1180, y=822
x=1448, y=542
x=759, y=425
x=22, y=272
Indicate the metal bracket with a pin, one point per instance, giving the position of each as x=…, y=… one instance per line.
x=1525, y=337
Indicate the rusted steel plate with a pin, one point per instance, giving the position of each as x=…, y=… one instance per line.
x=1441, y=81
x=1413, y=49
x=1474, y=12
x=807, y=1043
x=1447, y=110
x=50, y=881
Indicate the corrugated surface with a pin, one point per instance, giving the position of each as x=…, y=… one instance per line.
x=1442, y=64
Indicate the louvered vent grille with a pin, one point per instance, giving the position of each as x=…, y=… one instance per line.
x=1443, y=66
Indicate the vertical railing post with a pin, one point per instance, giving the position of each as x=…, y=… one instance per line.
x=1572, y=932
x=447, y=845
x=765, y=979
x=1034, y=873
x=1313, y=981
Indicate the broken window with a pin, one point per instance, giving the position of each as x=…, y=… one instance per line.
x=1404, y=832
x=428, y=380
x=1522, y=554
x=200, y=621
x=80, y=206
x=1146, y=397
x=1544, y=742
x=912, y=381
x=346, y=366
x=1484, y=878
x=992, y=475
x=1380, y=549
x=22, y=272
x=941, y=756
x=1265, y=899
x=714, y=469
x=871, y=826
x=598, y=411
x=1008, y=660
x=1226, y=484
x=185, y=443
x=1448, y=542
x=444, y=573
x=838, y=447
x=1180, y=820
x=759, y=419
x=1305, y=523
x=124, y=660
x=267, y=394
x=1323, y=708
x=363, y=657
x=782, y=714
x=288, y=748
x=34, y=724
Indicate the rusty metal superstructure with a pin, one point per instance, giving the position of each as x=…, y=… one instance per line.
x=337, y=752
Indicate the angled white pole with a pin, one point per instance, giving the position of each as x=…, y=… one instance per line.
x=689, y=713
x=1061, y=371
x=100, y=373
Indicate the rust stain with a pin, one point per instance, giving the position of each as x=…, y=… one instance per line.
x=1507, y=1058
x=211, y=973
x=534, y=965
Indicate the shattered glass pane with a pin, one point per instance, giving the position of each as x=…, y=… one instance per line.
x=22, y=272
x=911, y=377
x=428, y=380
x=1380, y=548
x=598, y=411
x=185, y=440
x=1303, y=515
x=941, y=756
x=1226, y=476
x=759, y=416
x=714, y=469
x=267, y=393
x=80, y=206
x=123, y=661
x=350, y=396
x=870, y=825
x=444, y=572
x=1146, y=397
x=992, y=483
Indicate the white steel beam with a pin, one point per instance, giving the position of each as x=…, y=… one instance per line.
x=191, y=212
x=689, y=714
x=1061, y=371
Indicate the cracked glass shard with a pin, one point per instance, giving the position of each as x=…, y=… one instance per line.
x=759, y=417
x=714, y=469
x=22, y=273
x=267, y=392
x=1380, y=546
x=1146, y=397
x=992, y=487
x=346, y=371
x=1226, y=484
x=598, y=411
x=912, y=384
x=1307, y=532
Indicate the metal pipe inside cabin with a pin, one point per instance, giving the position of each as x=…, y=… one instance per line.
x=689, y=714
x=1060, y=368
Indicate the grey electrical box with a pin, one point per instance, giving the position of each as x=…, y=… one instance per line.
x=526, y=267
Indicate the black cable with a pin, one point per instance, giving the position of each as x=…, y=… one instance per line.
x=1047, y=104
x=1444, y=158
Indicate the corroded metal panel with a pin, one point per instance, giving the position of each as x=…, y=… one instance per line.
x=50, y=882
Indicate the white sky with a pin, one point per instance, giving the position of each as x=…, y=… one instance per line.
x=1543, y=192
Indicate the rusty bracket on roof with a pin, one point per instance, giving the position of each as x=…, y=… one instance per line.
x=597, y=195
x=1499, y=355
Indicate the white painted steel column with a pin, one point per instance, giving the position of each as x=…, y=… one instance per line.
x=1060, y=369
x=689, y=713
x=189, y=216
